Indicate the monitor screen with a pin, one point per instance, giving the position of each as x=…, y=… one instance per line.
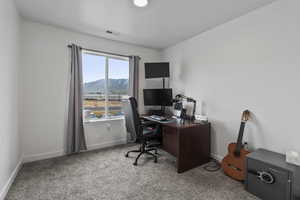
x=157, y=70
x=158, y=97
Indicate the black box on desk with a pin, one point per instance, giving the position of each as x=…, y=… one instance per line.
x=269, y=177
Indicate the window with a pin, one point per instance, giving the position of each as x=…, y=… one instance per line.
x=106, y=83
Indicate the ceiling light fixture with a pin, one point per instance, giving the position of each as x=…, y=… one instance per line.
x=140, y=3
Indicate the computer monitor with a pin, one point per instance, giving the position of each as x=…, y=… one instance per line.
x=157, y=70
x=158, y=97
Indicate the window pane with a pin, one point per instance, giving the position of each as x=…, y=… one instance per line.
x=94, y=86
x=118, y=84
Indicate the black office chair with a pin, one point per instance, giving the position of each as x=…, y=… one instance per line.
x=144, y=132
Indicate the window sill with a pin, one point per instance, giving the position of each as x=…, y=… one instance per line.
x=104, y=120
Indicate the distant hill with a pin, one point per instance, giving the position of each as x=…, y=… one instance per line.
x=116, y=86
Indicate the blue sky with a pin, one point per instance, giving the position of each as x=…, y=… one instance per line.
x=93, y=68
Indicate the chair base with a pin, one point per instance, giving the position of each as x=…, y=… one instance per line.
x=141, y=151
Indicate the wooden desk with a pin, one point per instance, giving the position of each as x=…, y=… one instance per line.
x=188, y=142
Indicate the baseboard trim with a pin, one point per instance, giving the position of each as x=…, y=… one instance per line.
x=10, y=181
x=42, y=156
x=48, y=155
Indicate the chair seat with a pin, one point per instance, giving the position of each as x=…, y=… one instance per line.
x=150, y=132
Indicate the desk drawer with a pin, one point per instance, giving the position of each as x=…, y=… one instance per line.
x=170, y=140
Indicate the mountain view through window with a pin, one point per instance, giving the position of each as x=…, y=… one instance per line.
x=106, y=83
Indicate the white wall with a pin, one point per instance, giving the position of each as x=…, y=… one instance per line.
x=9, y=52
x=45, y=64
x=251, y=62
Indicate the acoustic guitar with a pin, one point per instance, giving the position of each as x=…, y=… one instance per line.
x=234, y=163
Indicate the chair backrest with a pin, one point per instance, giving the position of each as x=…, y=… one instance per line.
x=132, y=118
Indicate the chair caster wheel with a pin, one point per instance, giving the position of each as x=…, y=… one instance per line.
x=155, y=160
x=126, y=155
x=135, y=164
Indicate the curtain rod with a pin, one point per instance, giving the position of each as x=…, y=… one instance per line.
x=114, y=54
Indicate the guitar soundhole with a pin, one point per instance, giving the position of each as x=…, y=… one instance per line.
x=237, y=153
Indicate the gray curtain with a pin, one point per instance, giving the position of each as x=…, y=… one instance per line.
x=129, y=121
x=134, y=77
x=75, y=132
x=133, y=91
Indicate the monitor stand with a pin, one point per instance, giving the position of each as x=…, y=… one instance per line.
x=162, y=111
x=157, y=112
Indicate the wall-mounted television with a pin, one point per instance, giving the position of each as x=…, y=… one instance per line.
x=157, y=70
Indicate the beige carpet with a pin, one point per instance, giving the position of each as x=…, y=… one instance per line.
x=108, y=175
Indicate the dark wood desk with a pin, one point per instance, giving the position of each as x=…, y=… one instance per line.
x=188, y=142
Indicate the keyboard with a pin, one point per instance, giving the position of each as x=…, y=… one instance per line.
x=158, y=118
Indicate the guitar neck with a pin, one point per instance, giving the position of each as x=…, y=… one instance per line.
x=240, y=138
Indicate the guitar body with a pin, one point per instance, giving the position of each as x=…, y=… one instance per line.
x=234, y=166
x=234, y=163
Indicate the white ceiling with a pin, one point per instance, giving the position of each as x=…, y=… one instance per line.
x=163, y=23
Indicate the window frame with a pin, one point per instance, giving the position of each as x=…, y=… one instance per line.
x=107, y=57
